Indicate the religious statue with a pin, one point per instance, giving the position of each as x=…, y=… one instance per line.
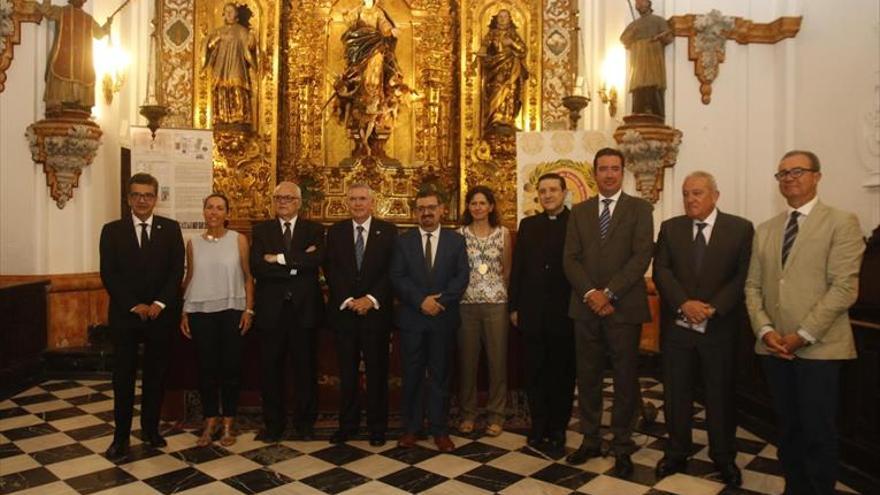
x=370, y=90
x=646, y=38
x=502, y=56
x=231, y=53
x=70, y=73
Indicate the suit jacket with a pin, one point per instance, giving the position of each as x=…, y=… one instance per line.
x=819, y=283
x=296, y=280
x=134, y=276
x=345, y=280
x=618, y=263
x=539, y=291
x=721, y=278
x=449, y=277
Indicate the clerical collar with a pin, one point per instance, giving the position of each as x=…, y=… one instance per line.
x=554, y=217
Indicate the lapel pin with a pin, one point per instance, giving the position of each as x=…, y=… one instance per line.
x=158, y=226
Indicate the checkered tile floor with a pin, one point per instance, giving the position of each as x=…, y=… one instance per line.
x=52, y=438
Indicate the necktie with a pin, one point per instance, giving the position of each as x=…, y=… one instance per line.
x=429, y=263
x=359, y=247
x=791, y=231
x=145, y=239
x=287, y=237
x=699, y=246
x=605, y=218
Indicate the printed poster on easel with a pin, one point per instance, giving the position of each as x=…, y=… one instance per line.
x=181, y=160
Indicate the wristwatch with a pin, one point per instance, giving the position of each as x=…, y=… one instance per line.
x=250, y=312
x=609, y=294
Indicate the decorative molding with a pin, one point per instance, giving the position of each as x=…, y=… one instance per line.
x=12, y=14
x=707, y=35
x=65, y=146
x=649, y=146
x=177, y=60
x=559, y=54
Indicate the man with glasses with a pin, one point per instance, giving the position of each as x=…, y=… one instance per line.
x=803, y=277
x=286, y=254
x=429, y=272
x=141, y=268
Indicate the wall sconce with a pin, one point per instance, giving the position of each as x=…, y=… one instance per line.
x=111, y=66
x=613, y=74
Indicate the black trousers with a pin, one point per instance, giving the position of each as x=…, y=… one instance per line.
x=686, y=356
x=286, y=338
x=371, y=344
x=593, y=340
x=805, y=397
x=218, y=349
x=550, y=372
x=156, y=337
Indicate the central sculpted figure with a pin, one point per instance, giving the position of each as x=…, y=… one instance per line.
x=369, y=91
x=231, y=53
x=504, y=72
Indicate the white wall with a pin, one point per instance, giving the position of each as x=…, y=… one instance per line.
x=819, y=91
x=35, y=236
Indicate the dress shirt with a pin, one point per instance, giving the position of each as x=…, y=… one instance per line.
x=365, y=235
x=280, y=256
x=435, y=241
x=804, y=211
x=615, y=198
x=137, y=235
x=707, y=230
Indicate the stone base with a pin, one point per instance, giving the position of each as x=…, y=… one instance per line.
x=649, y=146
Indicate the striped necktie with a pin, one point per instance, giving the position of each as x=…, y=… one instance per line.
x=605, y=218
x=359, y=247
x=791, y=232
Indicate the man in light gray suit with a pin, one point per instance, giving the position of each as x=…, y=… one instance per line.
x=608, y=246
x=803, y=277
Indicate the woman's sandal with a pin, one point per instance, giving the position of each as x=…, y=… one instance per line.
x=466, y=426
x=228, y=437
x=494, y=430
x=208, y=432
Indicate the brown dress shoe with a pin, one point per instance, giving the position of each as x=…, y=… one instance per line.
x=408, y=440
x=443, y=443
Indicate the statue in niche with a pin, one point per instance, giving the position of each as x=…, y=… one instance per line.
x=70, y=72
x=502, y=58
x=371, y=89
x=646, y=39
x=231, y=54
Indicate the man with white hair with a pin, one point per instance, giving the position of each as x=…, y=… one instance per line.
x=700, y=268
x=286, y=254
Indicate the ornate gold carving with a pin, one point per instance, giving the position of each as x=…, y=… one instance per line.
x=12, y=14
x=559, y=61
x=315, y=147
x=244, y=159
x=491, y=159
x=707, y=34
x=176, y=63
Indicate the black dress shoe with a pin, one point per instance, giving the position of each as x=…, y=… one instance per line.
x=117, y=450
x=623, y=466
x=269, y=436
x=377, y=439
x=154, y=440
x=730, y=474
x=340, y=436
x=668, y=466
x=305, y=433
x=535, y=442
x=582, y=455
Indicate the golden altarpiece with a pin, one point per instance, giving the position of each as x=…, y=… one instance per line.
x=275, y=81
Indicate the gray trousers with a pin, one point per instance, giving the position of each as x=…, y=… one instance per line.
x=594, y=339
x=483, y=325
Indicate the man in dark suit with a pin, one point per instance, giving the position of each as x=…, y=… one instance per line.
x=429, y=271
x=141, y=268
x=608, y=246
x=285, y=258
x=700, y=268
x=356, y=268
x=538, y=298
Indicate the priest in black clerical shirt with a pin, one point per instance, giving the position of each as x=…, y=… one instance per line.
x=538, y=299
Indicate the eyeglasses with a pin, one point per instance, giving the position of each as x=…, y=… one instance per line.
x=423, y=209
x=794, y=173
x=286, y=199
x=139, y=196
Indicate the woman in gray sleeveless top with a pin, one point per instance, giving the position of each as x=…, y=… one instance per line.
x=217, y=312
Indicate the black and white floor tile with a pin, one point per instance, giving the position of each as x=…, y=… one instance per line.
x=52, y=439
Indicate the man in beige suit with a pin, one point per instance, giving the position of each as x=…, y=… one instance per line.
x=803, y=277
